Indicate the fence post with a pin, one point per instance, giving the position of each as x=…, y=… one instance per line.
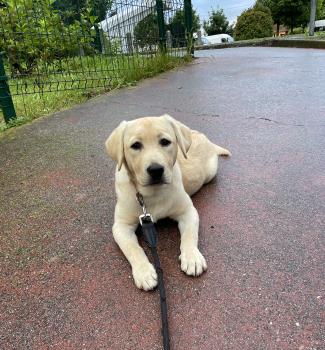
x=189, y=26
x=6, y=103
x=97, y=42
x=161, y=25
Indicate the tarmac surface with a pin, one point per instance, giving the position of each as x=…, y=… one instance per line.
x=64, y=284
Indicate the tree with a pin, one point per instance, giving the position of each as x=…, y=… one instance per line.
x=321, y=10
x=320, y=13
x=177, y=26
x=263, y=8
x=146, y=32
x=252, y=24
x=70, y=10
x=294, y=12
x=275, y=8
x=217, y=23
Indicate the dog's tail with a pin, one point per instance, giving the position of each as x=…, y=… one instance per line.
x=222, y=151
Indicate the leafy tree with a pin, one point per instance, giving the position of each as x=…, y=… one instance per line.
x=34, y=35
x=294, y=12
x=177, y=26
x=261, y=7
x=146, y=32
x=70, y=10
x=275, y=8
x=252, y=24
x=217, y=23
x=320, y=13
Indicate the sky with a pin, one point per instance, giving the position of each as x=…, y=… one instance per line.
x=232, y=8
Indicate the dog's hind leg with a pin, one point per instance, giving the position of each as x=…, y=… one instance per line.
x=211, y=168
x=212, y=163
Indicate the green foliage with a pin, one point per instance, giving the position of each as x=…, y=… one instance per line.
x=111, y=46
x=274, y=6
x=217, y=23
x=33, y=35
x=320, y=13
x=294, y=13
x=71, y=10
x=253, y=24
x=177, y=26
x=131, y=69
x=231, y=29
x=263, y=8
x=298, y=30
x=146, y=32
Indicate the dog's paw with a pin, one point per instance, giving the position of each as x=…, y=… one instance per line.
x=145, y=276
x=193, y=262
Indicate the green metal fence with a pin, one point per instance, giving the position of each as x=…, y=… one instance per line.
x=61, y=45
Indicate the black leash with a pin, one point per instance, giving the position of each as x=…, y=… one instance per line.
x=150, y=233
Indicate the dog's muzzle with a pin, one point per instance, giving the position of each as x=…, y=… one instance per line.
x=156, y=172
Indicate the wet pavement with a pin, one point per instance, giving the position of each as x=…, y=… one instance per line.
x=64, y=284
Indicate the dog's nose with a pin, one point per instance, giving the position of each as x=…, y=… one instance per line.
x=155, y=171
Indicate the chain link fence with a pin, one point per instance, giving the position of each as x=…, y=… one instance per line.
x=89, y=45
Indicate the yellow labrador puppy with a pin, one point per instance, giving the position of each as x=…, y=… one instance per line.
x=166, y=163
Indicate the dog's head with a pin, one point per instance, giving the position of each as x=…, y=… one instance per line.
x=148, y=148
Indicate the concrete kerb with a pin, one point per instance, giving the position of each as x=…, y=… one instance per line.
x=269, y=42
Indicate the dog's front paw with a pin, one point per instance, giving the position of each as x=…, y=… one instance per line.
x=145, y=276
x=193, y=262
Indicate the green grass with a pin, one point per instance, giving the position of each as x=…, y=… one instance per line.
x=80, y=79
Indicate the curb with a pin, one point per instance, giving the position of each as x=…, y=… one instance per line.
x=305, y=44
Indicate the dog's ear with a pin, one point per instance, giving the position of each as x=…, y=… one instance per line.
x=183, y=134
x=115, y=144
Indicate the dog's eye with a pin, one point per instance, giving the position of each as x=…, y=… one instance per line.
x=165, y=142
x=136, y=145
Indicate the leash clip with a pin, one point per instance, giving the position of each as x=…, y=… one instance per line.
x=145, y=217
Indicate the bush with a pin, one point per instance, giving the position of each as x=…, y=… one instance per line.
x=253, y=23
x=299, y=30
x=34, y=36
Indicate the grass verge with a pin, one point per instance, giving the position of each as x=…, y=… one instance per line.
x=98, y=76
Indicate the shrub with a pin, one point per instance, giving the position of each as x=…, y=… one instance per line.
x=33, y=35
x=298, y=30
x=253, y=23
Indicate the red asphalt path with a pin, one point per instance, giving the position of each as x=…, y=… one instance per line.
x=64, y=284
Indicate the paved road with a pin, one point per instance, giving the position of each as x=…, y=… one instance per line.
x=64, y=284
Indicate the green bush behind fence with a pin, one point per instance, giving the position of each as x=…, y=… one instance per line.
x=60, y=45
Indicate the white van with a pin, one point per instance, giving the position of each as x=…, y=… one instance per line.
x=217, y=39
